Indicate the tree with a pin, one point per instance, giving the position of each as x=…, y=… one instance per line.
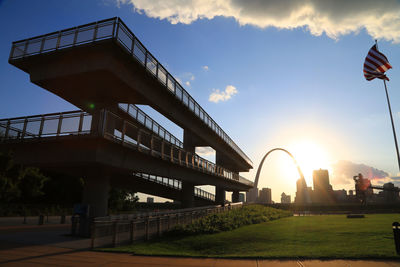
x=122, y=199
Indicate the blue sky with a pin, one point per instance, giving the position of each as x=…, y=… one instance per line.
x=296, y=87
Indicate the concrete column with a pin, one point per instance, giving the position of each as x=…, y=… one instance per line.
x=187, y=195
x=95, y=194
x=219, y=196
x=96, y=126
x=191, y=141
x=235, y=196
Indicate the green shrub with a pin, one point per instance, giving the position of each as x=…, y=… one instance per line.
x=229, y=220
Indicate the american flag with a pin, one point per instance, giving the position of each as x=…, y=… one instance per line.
x=375, y=65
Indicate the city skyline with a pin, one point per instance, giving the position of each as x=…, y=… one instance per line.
x=296, y=88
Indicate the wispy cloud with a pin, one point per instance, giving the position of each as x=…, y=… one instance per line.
x=217, y=95
x=186, y=78
x=205, y=68
x=381, y=19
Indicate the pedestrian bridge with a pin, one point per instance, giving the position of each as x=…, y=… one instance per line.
x=104, y=70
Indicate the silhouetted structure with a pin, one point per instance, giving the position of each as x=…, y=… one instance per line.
x=285, y=198
x=265, y=196
x=323, y=192
x=252, y=195
x=303, y=192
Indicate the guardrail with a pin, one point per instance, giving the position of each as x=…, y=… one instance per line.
x=141, y=117
x=116, y=230
x=116, y=29
x=176, y=184
x=128, y=134
x=47, y=125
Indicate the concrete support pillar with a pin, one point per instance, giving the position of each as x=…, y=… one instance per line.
x=187, y=197
x=219, y=196
x=191, y=141
x=95, y=194
x=96, y=126
x=235, y=196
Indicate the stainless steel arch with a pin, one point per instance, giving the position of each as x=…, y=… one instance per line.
x=266, y=155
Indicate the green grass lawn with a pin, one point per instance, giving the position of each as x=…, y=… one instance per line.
x=325, y=236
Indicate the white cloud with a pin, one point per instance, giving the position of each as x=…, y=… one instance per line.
x=205, y=68
x=187, y=83
x=343, y=172
x=381, y=19
x=217, y=96
x=205, y=151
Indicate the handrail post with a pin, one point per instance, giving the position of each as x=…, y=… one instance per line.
x=117, y=30
x=123, y=131
x=115, y=229
x=162, y=149
x=92, y=234
x=42, y=120
x=58, y=40
x=24, y=128
x=132, y=231
x=151, y=144
x=59, y=124
x=159, y=226
x=80, y=123
x=95, y=32
x=139, y=135
x=7, y=129
x=75, y=36
x=146, y=225
x=42, y=44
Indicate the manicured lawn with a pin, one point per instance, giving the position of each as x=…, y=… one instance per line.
x=326, y=236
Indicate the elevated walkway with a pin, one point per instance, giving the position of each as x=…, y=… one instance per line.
x=79, y=142
x=101, y=64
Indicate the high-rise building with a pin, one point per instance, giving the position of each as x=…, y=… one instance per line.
x=302, y=193
x=323, y=192
x=285, y=198
x=252, y=195
x=265, y=196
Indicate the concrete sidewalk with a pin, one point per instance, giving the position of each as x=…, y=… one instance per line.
x=56, y=256
x=43, y=245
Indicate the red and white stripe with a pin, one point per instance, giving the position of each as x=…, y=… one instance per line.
x=375, y=65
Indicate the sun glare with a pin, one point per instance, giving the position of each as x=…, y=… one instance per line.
x=310, y=156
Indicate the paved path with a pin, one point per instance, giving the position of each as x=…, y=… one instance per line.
x=48, y=245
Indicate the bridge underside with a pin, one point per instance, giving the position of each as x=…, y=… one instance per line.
x=104, y=163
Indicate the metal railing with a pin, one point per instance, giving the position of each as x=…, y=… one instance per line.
x=54, y=124
x=141, y=117
x=176, y=184
x=115, y=129
x=128, y=134
x=116, y=29
x=127, y=228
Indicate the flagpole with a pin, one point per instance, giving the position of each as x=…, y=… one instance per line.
x=391, y=117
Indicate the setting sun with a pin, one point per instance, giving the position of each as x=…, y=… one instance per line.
x=310, y=156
